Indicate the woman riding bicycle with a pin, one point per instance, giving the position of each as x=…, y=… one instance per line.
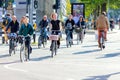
x=26, y=29
x=55, y=26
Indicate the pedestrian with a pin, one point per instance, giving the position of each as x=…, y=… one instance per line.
x=34, y=33
x=102, y=24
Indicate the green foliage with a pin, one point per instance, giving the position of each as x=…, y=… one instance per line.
x=91, y=5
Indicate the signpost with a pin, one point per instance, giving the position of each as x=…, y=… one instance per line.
x=78, y=9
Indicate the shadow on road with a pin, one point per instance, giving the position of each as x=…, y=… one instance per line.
x=86, y=52
x=40, y=58
x=110, y=55
x=101, y=77
x=5, y=55
x=4, y=63
x=90, y=46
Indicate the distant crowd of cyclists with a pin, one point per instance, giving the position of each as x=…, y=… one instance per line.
x=11, y=25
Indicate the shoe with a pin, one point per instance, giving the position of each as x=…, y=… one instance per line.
x=50, y=49
x=105, y=39
x=58, y=46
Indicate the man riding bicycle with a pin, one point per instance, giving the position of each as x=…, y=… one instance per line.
x=43, y=26
x=26, y=29
x=102, y=24
x=69, y=24
x=13, y=25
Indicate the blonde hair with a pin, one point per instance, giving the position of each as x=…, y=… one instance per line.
x=53, y=15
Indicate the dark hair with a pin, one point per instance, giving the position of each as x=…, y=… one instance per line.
x=104, y=13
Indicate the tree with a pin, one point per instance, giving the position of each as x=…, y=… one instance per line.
x=68, y=7
x=95, y=7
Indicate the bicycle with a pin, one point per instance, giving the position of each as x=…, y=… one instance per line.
x=80, y=34
x=54, y=37
x=24, y=49
x=68, y=38
x=12, y=43
x=102, y=40
x=42, y=38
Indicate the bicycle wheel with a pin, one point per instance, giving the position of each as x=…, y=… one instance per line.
x=39, y=42
x=43, y=42
x=101, y=43
x=22, y=54
x=56, y=47
x=67, y=43
x=10, y=47
x=53, y=48
x=26, y=54
x=78, y=38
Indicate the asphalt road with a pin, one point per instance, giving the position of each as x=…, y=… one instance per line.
x=80, y=62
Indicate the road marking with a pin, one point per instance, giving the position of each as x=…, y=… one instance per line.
x=13, y=69
x=70, y=79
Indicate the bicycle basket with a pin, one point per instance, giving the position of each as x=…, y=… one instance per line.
x=53, y=37
x=77, y=30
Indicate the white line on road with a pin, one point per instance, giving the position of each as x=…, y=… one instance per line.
x=13, y=69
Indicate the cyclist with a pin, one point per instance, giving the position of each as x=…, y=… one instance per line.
x=81, y=23
x=102, y=24
x=44, y=25
x=13, y=26
x=70, y=23
x=55, y=25
x=26, y=29
x=6, y=21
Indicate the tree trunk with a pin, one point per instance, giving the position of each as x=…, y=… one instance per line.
x=103, y=7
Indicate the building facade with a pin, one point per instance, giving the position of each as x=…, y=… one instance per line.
x=44, y=8
x=20, y=8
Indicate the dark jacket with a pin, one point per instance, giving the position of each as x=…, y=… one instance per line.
x=14, y=27
x=81, y=24
x=43, y=23
x=25, y=30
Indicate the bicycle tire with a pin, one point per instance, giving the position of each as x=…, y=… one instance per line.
x=53, y=48
x=78, y=38
x=10, y=47
x=26, y=54
x=22, y=54
x=56, y=48
x=39, y=42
